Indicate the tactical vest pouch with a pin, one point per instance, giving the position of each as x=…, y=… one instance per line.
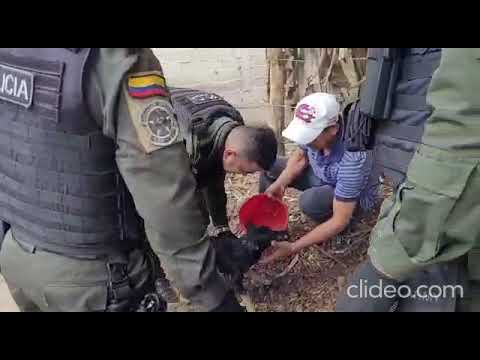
x=196, y=110
x=357, y=133
x=382, y=70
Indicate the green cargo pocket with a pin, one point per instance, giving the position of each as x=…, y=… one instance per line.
x=389, y=211
x=427, y=198
x=87, y=297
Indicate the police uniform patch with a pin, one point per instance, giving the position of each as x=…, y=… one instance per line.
x=16, y=86
x=160, y=121
x=154, y=121
x=147, y=84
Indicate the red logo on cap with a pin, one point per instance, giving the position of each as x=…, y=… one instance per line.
x=305, y=112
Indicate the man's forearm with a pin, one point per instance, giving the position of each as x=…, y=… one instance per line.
x=320, y=234
x=342, y=214
x=287, y=177
x=295, y=166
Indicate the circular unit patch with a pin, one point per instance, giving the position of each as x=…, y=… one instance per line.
x=161, y=123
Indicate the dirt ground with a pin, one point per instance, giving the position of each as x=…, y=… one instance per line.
x=310, y=281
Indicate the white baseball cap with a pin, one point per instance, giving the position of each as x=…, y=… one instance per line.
x=313, y=114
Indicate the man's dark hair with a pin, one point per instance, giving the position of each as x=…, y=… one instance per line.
x=258, y=145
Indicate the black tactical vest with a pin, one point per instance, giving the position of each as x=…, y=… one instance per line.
x=395, y=93
x=60, y=189
x=196, y=112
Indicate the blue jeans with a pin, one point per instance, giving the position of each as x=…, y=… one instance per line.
x=316, y=200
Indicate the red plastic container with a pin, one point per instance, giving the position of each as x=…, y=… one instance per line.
x=262, y=210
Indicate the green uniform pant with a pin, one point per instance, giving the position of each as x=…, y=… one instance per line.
x=434, y=218
x=42, y=281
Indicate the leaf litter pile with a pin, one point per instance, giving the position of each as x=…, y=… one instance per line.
x=311, y=280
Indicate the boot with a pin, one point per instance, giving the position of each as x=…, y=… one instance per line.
x=229, y=304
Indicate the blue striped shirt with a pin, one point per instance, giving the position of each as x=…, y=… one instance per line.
x=348, y=172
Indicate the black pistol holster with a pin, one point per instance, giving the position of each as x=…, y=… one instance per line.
x=382, y=71
x=376, y=98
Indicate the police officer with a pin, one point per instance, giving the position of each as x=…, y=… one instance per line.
x=218, y=142
x=433, y=219
x=93, y=165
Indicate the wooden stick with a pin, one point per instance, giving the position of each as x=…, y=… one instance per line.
x=289, y=267
x=332, y=257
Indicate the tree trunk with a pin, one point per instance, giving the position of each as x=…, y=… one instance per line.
x=276, y=91
x=297, y=72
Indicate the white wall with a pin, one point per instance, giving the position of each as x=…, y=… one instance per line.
x=237, y=74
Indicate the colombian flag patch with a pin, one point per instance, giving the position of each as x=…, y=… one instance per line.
x=145, y=85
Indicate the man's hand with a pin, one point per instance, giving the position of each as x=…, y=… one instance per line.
x=342, y=213
x=282, y=249
x=276, y=190
x=295, y=165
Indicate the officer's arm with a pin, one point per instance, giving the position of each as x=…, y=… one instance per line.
x=216, y=199
x=159, y=178
x=156, y=170
x=163, y=188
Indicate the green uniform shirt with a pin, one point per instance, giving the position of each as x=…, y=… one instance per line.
x=160, y=180
x=455, y=122
x=435, y=215
x=209, y=169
